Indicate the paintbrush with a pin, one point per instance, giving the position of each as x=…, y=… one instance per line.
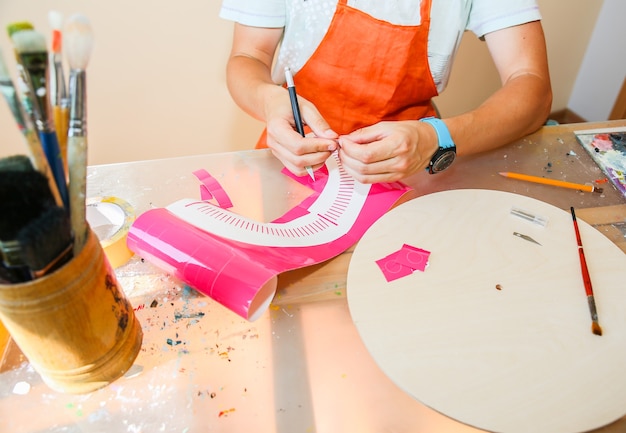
x=46, y=242
x=26, y=96
x=24, y=195
x=16, y=163
x=58, y=90
x=25, y=126
x=30, y=47
x=78, y=47
x=40, y=247
x=595, y=326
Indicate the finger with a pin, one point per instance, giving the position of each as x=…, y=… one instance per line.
x=368, y=152
x=316, y=122
x=367, y=134
x=294, y=154
x=369, y=178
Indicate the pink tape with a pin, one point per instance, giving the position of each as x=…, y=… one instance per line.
x=241, y=275
x=211, y=188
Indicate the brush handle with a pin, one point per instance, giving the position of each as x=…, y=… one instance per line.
x=77, y=163
x=50, y=145
x=61, y=120
x=40, y=162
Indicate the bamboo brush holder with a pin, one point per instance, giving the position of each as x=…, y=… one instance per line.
x=75, y=326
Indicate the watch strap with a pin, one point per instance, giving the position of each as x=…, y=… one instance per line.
x=443, y=135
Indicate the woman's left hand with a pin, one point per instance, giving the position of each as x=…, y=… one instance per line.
x=388, y=151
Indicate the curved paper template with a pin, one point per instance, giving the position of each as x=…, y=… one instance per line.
x=236, y=260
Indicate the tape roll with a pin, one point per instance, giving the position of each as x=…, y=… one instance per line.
x=110, y=219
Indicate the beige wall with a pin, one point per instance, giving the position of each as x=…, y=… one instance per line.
x=568, y=25
x=156, y=79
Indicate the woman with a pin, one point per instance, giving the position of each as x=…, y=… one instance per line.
x=366, y=71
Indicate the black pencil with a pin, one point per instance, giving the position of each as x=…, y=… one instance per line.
x=295, y=108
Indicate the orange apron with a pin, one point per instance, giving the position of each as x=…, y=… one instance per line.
x=367, y=70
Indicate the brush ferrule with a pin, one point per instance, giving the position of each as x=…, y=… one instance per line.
x=78, y=104
x=11, y=253
x=57, y=80
x=592, y=308
x=35, y=67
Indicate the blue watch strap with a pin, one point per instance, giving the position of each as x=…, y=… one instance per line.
x=443, y=135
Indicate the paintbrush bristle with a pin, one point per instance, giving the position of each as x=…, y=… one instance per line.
x=55, y=19
x=23, y=196
x=46, y=240
x=18, y=27
x=16, y=163
x=78, y=41
x=595, y=328
x=29, y=41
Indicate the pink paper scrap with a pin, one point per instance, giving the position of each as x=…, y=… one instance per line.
x=403, y=262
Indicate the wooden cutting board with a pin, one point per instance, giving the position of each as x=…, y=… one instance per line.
x=496, y=332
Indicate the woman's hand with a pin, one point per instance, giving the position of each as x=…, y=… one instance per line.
x=388, y=151
x=293, y=150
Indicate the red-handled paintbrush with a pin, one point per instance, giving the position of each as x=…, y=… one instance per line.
x=595, y=326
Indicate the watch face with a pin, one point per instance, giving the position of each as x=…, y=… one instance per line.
x=443, y=161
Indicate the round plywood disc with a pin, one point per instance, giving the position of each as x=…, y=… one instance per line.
x=496, y=331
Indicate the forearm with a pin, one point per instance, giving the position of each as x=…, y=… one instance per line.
x=248, y=72
x=520, y=107
x=250, y=85
x=523, y=102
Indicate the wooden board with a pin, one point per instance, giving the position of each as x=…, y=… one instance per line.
x=518, y=359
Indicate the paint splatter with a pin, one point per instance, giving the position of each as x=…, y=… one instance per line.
x=226, y=412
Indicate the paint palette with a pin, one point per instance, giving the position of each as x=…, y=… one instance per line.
x=607, y=148
x=496, y=332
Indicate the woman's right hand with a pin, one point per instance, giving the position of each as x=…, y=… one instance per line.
x=293, y=150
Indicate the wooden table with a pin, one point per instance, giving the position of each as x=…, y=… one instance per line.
x=302, y=366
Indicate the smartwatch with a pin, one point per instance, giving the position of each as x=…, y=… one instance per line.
x=444, y=156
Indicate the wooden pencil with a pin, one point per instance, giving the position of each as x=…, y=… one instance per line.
x=553, y=182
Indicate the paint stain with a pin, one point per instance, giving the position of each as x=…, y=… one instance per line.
x=498, y=287
x=226, y=412
x=185, y=315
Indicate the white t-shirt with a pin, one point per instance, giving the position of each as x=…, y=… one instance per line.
x=306, y=23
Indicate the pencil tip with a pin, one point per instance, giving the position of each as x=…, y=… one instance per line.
x=595, y=328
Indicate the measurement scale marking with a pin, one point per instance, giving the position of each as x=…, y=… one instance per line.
x=330, y=215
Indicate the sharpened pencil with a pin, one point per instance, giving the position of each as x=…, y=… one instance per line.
x=553, y=182
x=295, y=107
